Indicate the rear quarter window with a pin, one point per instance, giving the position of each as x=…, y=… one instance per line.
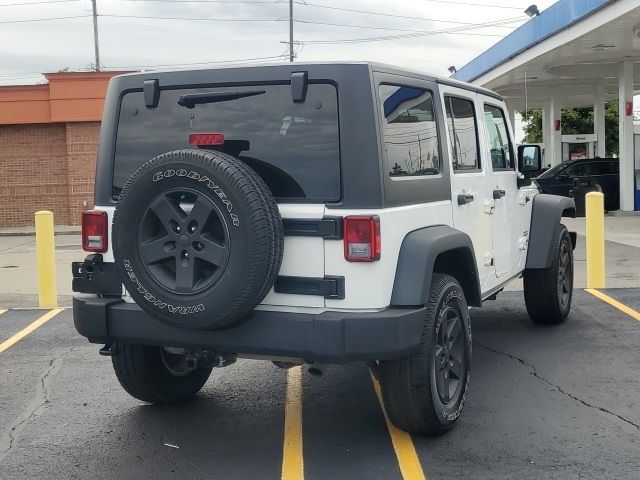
x=410, y=133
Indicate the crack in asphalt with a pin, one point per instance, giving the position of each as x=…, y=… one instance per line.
x=35, y=407
x=558, y=388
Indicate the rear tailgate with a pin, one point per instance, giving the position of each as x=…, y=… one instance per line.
x=303, y=258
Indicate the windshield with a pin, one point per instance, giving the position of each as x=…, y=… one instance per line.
x=552, y=171
x=294, y=147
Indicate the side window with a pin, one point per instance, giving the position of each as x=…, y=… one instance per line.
x=499, y=142
x=604, y=168
x=614, y=168
x=463, y=133
x=410, y=131
x=575, y=171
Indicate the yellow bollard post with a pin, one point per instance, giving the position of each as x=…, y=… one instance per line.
x=45, y=251
x=595, y=239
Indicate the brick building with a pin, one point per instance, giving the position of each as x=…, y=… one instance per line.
x=48, y=145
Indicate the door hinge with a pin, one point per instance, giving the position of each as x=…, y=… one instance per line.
x=489, y=206
x=488, y=259
x=524, y=198
x=523, y=241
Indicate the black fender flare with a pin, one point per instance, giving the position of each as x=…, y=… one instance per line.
x=418, y=255
x=546, y=213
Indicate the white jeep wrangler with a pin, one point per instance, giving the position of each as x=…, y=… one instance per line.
x=311, y=213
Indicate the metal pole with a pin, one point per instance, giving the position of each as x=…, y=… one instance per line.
x=95, y=34
x=290, y=30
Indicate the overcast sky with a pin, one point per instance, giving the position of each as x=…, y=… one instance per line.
x=247, y=30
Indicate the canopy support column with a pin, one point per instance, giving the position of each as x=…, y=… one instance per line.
x=512, y=117
x=625, y=93
x=598, y=121
x=553, y=134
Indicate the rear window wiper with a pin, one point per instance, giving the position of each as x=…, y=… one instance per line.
x=193, y=99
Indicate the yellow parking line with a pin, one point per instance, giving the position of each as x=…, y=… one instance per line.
x=292, y=460
x=2, y=310
x=613, y=302
x=29, y=328
x=403, y=445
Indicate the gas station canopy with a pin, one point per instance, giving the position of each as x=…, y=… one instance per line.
x=576, y=53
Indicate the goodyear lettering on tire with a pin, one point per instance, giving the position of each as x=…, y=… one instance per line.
x=202, y=179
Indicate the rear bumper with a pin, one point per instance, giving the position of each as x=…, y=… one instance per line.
x=329, y=337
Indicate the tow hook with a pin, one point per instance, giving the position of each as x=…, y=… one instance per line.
x=206, y=359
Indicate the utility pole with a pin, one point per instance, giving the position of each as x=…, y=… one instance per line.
x=290, y=29
x=95, y=34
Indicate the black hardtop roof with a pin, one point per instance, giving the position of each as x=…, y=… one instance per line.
x=287, y=67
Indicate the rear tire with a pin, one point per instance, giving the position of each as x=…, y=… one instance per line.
x=548, y=291
x=419, y=396
x=155, y=375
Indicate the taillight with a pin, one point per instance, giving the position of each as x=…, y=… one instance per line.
x=362, y=238
x=95, y=231
x=206, y=139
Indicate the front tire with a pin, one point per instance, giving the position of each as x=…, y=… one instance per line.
x=156, y=374
x=548, y=291
x=424, y=393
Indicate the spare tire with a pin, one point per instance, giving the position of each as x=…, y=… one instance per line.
x=198, y=238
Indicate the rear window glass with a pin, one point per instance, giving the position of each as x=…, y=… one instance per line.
x=294, y=147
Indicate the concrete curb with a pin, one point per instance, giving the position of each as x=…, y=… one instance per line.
x=619, y=213
x=32, y=233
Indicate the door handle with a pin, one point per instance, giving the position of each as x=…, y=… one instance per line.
x=498, y=194
x=463, y=199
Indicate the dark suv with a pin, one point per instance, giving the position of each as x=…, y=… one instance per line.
x=563, y=179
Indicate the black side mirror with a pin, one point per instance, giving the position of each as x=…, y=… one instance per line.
x=529, y=157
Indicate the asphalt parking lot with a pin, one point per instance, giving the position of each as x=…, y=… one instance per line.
x=545, y=402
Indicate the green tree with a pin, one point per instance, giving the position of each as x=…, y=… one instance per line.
x=575, y=121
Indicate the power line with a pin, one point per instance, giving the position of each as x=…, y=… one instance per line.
x=458, y=31
x=256, y=60
x=213, y=62
x=504, y=24
x=366, y=12
x=301, y=2
x=467, y=26
x=315, y=5
x=22, y=4
x=194, y=19
x=394, y=37
x=210, y=1
x=469, y=4
x=43, y=19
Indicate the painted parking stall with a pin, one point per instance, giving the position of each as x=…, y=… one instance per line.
x=533, y=409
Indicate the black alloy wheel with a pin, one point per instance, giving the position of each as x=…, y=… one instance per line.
x=184, y=241
x=450, y=365
x=565, y=274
